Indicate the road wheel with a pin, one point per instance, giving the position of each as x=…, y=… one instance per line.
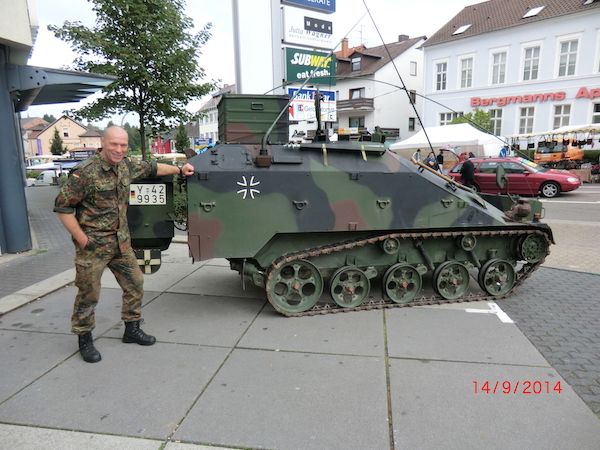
x=550, y=189
x=475, y=187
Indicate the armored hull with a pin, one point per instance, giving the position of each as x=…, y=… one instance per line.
x=337, y=226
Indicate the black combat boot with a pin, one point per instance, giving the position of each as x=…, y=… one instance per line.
x=133, y=333
x=87, y=349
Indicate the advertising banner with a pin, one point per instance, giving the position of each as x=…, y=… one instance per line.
x=302, y=64
x=309, y=29
x=303, y=106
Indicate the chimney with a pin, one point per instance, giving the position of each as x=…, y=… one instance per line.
x=344, y=47
x=403, y=37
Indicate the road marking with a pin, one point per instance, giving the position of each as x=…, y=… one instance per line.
x=495, y=309
x=568, y=201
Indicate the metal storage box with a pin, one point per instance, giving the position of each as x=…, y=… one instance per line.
x=246, y=118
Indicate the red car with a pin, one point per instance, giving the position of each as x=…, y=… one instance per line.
x=524, y=177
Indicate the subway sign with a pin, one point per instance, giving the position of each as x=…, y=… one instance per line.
x=304, y=64
x=326, y=6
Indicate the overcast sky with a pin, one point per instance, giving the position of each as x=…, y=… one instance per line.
x=390, y=18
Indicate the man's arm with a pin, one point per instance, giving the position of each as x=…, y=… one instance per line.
x=168, y=169
x=69, y=221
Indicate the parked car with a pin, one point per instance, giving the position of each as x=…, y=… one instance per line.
x=524, y=177
x=47, y=178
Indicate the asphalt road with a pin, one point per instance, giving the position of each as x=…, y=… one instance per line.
x=581, y=205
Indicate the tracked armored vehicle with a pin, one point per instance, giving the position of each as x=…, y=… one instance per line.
x=348, y=225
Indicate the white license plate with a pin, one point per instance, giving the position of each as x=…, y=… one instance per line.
x=148, y=194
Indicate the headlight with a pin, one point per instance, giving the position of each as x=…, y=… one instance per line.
x=573, y=180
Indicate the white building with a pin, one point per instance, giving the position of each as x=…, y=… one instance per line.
x=534, y=65
x=371, y=86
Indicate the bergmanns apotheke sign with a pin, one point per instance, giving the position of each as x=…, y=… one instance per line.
x=583, y=92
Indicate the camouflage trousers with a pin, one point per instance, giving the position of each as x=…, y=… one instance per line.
x=90, y=264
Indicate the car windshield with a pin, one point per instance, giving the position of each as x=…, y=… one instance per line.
x=532, y=166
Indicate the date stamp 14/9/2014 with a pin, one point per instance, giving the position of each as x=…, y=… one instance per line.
x=517, y=387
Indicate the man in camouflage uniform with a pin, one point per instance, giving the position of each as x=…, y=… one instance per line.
x=92, y=206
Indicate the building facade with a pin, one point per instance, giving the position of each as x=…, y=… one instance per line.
x=378, y=87
x=75, y=136
x=534, y=68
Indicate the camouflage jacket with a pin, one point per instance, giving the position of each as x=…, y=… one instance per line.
x=98, y=194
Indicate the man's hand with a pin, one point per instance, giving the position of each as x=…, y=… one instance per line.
x=187, y=169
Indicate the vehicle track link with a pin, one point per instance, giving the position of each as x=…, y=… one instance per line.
x=521, y=275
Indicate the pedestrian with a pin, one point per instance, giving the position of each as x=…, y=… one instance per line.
x=440, y=161
x=467, y=171
x=417, y=155
x=92, y=206
x=431, y=161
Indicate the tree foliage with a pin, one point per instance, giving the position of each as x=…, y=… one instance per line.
x=56, y=144
x=148, y=46
x=49, y=118
x=478, y=118
x=182, y=141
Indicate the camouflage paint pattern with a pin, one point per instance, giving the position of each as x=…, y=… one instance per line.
x=313, y=194
x=90, y=264
x=98, y=194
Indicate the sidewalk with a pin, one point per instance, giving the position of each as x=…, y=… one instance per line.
x=229, y=372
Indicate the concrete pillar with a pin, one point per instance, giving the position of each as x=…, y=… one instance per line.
x=15, y=235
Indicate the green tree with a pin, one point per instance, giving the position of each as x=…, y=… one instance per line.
x=49, y=118
x=147, y=46
x=135, y=142
x=56, y=144
x=478, y=118
x=182, y=141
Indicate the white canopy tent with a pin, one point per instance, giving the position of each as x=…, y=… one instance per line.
x=459, y=135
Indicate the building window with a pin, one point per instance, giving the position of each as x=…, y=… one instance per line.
x=531, y=63
x=411, y=124
x=413, y=96
x=526, y=120
x=499, y=68
x=357, y=122
x=568, y=58
x=561, y=115
x=413, y=68
x=357, y=93
x=496, y=119
x=596, y=113
x=65, y=132
x=446, y=118
x=441, y=75
x=356, y=64
x=466, y=73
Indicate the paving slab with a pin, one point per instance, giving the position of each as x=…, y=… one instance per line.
x=353, y=333
x=434, y=405
x=52, y=313
x=197, y=319
x=30, y=438
x=217, y=279
x=134, y=391
x=458, y=335
x=267, y=399
x=26, y=356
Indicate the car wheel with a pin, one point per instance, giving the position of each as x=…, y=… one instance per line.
x=550, y=189
x=475, y=187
